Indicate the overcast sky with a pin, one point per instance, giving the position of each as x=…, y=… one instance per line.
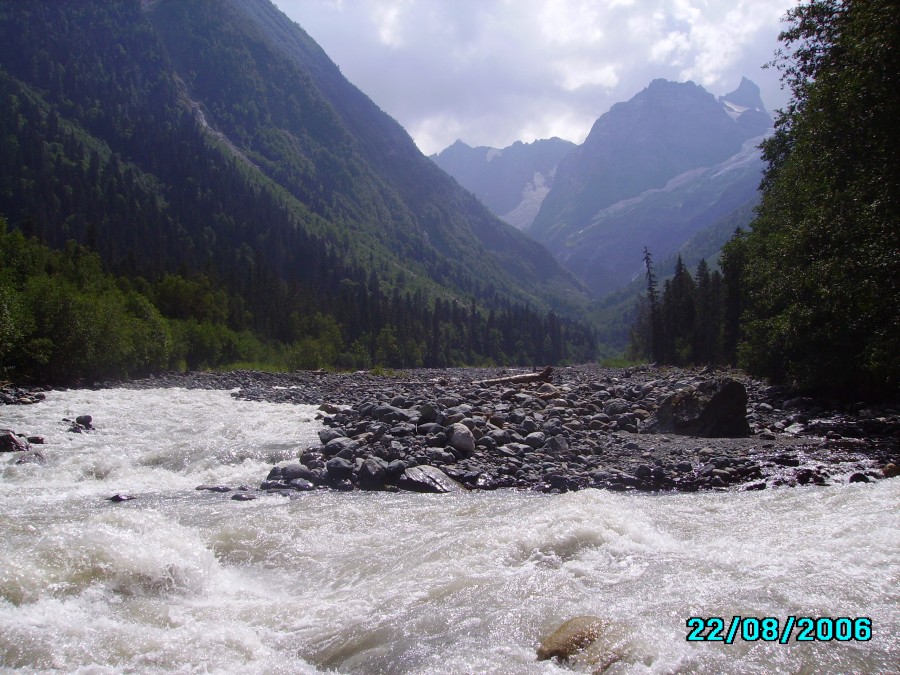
x=491, y=72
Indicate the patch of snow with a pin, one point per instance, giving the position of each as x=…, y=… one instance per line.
x=533, y=195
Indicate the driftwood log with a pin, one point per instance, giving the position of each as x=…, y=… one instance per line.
x=543, y=376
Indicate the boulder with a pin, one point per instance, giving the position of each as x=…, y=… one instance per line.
x=427, y=479
x=460, y=437
x=715, y=408
x=570, y=638
x=9, y=442
x=372, y=474
x=337, y=445
x=339, y=468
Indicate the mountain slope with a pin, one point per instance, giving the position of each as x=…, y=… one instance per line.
x=295, y=108
x=653, y=171
x=511, y=182
x=244, y=133
x=607, y=252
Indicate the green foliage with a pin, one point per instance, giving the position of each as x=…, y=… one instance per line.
x=821, y=266
x=687, y=324
x=62, y=319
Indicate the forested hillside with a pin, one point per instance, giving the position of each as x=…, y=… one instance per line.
x=212, y=145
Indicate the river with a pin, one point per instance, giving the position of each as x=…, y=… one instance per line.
x=178, y=580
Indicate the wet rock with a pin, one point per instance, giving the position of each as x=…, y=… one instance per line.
x=571, y=637
x=859, y=477
x=339, y=468
x=711, y=409
x=427, y=479
x=32, y=457
x=85, y=421
x=373, y=474
x=243, y=497
x=891, y=470
x=301, y=485
x=11, y=442
x=116, y=499
x=213, y=488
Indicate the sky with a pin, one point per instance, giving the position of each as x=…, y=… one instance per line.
x=493, y=72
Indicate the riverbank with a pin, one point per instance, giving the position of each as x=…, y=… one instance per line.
x=587, y=426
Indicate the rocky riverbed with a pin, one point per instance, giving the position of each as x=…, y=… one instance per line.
x=648, y=429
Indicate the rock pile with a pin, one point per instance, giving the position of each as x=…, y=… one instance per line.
x=637, y=429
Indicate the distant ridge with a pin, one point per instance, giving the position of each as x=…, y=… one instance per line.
x=513, y=181
x=652, y=172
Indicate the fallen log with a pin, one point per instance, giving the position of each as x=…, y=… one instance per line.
x=543, y=376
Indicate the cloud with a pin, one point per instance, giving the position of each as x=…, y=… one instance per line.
x=495, y=71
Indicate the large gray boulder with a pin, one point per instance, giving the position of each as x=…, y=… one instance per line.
x=461, y=438
x=427, y=479
x=715, y=408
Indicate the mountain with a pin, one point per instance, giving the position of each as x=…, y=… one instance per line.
x=215, y=139
x=512, y=182
x=652, y=172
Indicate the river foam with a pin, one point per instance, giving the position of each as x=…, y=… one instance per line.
x=185, y=581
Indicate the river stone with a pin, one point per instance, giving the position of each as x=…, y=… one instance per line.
x=327, y=435
x=714, y=408
x=389, y=413
x=570, y=638
x=9, y=442
x=427, y=478
x=301, y=485
x=428, y=413
x=556, y=445
x=459, y=436
x=213, y=488
x=372, y=475
x=33, y=457
x=616, y=406
x=85, y=421
x=339, y=468
x=336, y=445
x=291, y=472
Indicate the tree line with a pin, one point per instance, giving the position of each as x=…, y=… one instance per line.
x=692, y=319
x=64, y=319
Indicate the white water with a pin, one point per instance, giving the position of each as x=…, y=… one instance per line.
x=183, y=581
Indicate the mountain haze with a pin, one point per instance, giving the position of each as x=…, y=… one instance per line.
x=652, y=172
x=512, y=182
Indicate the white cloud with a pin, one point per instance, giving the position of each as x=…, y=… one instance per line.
x=496, y=71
